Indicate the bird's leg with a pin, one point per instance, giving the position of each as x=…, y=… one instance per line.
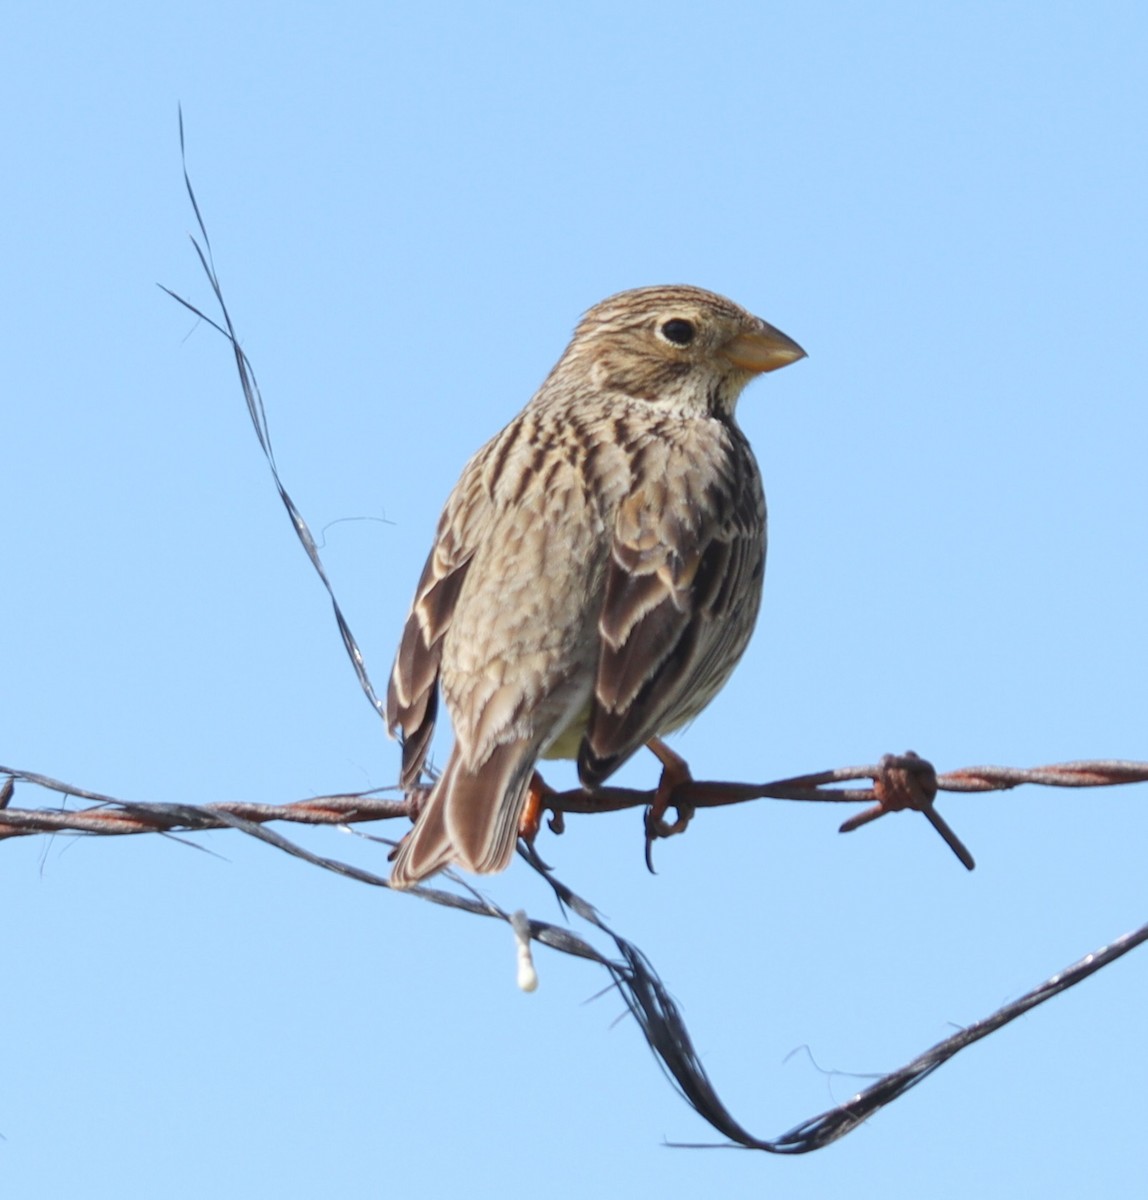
x=675, y=773
x=531, y=820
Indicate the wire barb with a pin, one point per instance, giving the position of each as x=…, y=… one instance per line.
x=907, y=781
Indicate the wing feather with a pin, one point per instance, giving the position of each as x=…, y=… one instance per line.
x=412, y=693
x=682, y=589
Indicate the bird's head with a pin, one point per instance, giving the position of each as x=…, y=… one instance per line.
x=682, y=348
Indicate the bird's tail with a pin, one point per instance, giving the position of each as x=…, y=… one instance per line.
x=470, y=819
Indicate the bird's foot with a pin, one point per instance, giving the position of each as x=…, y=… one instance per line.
x=535, y=809
x=675, y=773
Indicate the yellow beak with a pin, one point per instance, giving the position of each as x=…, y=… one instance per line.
x=763, y=349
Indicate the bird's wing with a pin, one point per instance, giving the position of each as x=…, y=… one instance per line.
x=682, y=590
x=412, y=694
x=502, y=619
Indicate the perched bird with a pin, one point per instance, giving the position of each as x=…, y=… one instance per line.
x=596, y=572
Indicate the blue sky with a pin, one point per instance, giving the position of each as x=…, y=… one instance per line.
x=410, y=206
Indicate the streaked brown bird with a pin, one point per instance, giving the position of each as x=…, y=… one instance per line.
x=596, y=573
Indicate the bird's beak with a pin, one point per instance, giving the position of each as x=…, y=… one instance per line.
x=763, y=349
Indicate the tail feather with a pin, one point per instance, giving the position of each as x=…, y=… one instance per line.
x=470, y=817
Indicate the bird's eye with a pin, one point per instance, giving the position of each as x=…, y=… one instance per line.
x=679, y=331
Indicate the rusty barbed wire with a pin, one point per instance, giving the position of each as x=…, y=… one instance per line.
x=110, y=816
x=899, y=783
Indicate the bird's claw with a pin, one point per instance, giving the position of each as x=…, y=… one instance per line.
x=675, y=773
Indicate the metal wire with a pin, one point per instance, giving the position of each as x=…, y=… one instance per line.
x=108, y=815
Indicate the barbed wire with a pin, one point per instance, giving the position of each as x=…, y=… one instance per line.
x=109, y=816
x=898, y=782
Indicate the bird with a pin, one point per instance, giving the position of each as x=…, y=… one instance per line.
x=595, y=575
